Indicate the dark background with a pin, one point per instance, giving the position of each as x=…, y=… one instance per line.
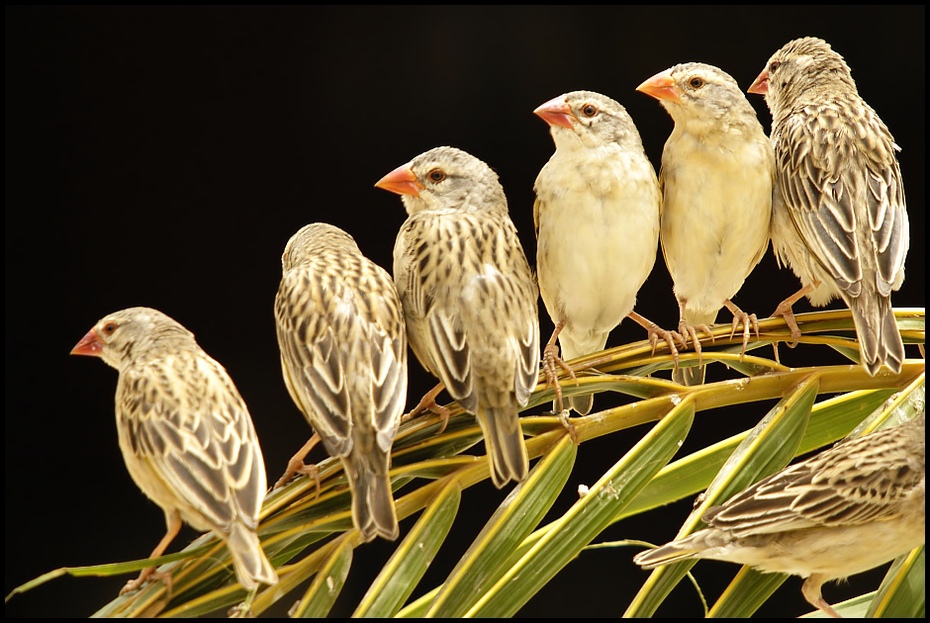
x=163, y=157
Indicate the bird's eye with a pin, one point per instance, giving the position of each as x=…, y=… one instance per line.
x=436, y=175
x=109, y=328
x=589, y=110
x=773, y=66
x=696, y=82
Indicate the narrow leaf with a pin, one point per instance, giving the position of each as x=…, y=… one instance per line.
x=406, y=567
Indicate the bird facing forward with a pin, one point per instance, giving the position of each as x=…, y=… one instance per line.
x=468, y=293
x=597, y=226
x=716, y=178
x=839, y=219
x=343, y=351
x=846, y=510
x=186, y=436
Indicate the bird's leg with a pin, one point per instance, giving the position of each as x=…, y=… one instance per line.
x=811, y=591
x=655, y=332
x=297, y=466
x=784, y=310
x=174, y=527
x=550, y=361
x=428, y=403
x=741, y=317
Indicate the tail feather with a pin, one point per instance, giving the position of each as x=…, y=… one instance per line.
x=666, y=554
x=503, y=438
x=373, y=510
x=879, y=339
x=249, y=560
x=574, y=346
x=694, y=375
x=582, y=404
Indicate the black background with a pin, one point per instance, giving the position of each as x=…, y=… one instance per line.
x=163, y=157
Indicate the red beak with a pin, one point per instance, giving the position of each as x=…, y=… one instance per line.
x=660, y=86
x=89, y=345
x=401, y=181
x=761, y=85
x=556, y=112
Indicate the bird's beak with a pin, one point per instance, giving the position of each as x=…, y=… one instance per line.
x=761, y=85
x=661, y=86
x=556, y=112
x=401, y=181
x=89, y=345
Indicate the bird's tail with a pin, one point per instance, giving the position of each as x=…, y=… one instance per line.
x=249, y=560
x=373, y=511
x=666, y=554
x=693, y=375
x=879, y=339
x=574, y=346
x=503, y=438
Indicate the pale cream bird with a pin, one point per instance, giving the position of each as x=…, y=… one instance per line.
x=716, y=177
x=468, y=293
x=846, y=510
x=597, y=228
x=186, y=436
x=343, y=350
x=840, y=219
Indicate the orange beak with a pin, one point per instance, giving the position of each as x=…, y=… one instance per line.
x=401, y=181
x=661, y=86
x=761, y=85
x=556, y=112
x=90, y=345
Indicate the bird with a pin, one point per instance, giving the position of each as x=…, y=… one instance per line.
x=596, y=217
x=186, y=436
x=716, y=177
x=343, y=346
x=840, y=217
x=843, y=511
x=469, y=295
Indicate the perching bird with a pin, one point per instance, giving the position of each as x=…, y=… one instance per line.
x=186, y=436
x=840, y=219
x=716, y=178
x=468, y=295
x=344, y=359
x=597, y=227
x=848, y=509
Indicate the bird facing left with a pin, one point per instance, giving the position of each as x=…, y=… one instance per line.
x=186, y=436
x=468, y=293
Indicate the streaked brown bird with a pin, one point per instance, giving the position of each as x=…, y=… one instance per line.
x=716, y=177
x=469, y=297
x=597, y=228
x=840, y=219
x=343, y=350
x=186, y=436
x=846, y=510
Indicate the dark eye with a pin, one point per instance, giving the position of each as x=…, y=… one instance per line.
x=773, y=66
x=109, y=328
x=436, y=175
x=589, y=110
x=696, y=82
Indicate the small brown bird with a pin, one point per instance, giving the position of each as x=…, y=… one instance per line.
x=846, y=510
x=597, y=227
x=469, y=297
x=840, y=219
x=716, y=178
x=186, y=436
x=344, y=359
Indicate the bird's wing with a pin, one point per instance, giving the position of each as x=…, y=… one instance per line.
x=201, y=441
x=830, y=167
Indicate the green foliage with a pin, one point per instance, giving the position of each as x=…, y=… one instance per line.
x=308, y=534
